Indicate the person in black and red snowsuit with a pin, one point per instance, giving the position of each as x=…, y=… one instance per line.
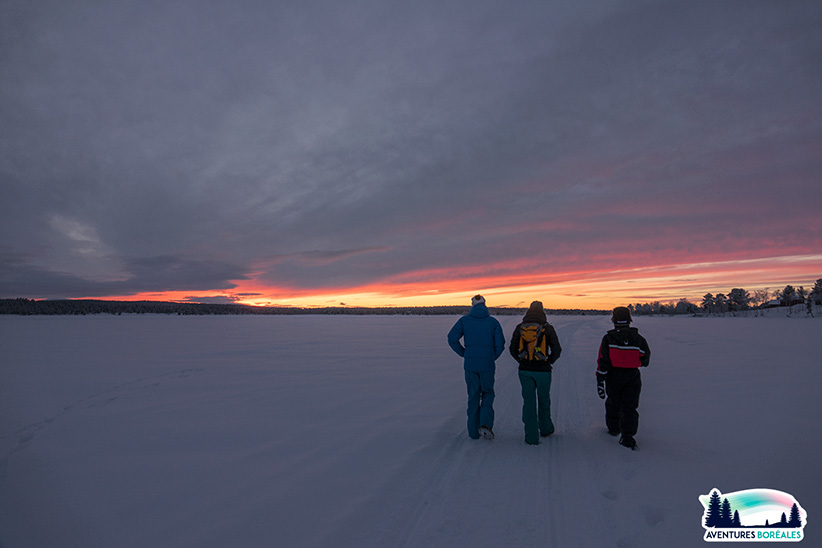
x=622, y=352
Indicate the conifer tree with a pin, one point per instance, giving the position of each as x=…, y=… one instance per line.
x=784, y=521
x=736, y=522
x=725, y=513
x=708, y=303
x=713, y=519
x=739, y=299
x=816, y=292
x=788, y=295
x=795, y=520
x=721, y=302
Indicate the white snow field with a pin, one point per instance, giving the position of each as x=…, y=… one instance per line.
x=349, y=431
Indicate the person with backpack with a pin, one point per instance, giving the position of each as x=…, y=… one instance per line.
x=622, y=352
x=483, y=344
x=536, y=347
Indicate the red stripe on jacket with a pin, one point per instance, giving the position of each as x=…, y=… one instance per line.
x=625, y=357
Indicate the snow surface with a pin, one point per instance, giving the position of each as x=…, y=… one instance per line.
x=291, y=431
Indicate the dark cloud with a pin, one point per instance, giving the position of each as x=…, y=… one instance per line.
x=150, y=274
x=157, y=146
x=18, y=279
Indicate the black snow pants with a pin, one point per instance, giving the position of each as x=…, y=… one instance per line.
x=622, y=387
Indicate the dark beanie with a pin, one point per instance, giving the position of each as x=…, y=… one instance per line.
x=621, y=316
x=535, y=313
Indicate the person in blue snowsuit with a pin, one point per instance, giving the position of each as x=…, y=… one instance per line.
x=483, y=344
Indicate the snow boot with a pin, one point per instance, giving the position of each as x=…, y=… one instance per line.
x=629, y=442
x=487, y=433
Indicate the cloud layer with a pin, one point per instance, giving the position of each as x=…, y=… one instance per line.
x=299, y=148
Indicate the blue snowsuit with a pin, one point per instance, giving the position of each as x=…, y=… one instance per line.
x=484, y=343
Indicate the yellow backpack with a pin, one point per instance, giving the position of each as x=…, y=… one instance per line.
x=532, y=343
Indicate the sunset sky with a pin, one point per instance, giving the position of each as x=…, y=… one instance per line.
x=380, y=153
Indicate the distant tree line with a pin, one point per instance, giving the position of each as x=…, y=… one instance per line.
x=737, y=300
x=31, y=307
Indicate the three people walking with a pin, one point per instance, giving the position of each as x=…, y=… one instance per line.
x=478, y=339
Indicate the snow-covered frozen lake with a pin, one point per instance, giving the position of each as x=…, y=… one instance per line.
x=292, y=431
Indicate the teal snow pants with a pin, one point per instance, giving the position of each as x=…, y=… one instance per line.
x=536, y=404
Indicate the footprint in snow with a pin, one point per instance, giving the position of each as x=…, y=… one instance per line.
x=653, y=516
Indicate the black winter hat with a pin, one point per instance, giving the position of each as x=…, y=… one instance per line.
x=535, y=313
x=536, y=306
x=621, y=316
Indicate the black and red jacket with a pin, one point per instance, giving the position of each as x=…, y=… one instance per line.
x=623, y=348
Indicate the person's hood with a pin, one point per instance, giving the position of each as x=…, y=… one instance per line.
x=479, y=311
x=623, y=331
x=535, y=314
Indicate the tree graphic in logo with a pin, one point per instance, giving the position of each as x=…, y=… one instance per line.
x=759, y=515
x=721, y=514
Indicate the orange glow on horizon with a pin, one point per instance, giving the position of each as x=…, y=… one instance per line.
x=574, y=290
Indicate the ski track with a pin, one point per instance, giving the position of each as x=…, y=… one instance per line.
x=455, y=485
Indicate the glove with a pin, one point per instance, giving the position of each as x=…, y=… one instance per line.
x=601, y=386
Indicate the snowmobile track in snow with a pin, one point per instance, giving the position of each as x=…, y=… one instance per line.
x=455, y=485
